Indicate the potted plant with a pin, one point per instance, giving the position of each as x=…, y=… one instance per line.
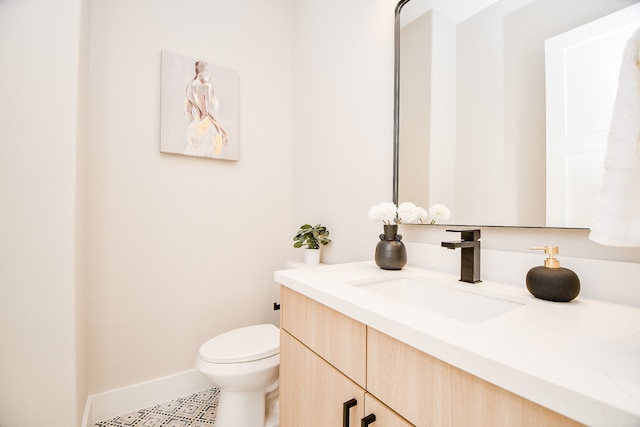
x=312, y=238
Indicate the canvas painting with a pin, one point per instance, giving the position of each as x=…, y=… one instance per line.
x=199, y=108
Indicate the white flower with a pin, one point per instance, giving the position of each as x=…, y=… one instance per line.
x=423, y=215
x=407, y=213
x=438, y=213
x=385, y=212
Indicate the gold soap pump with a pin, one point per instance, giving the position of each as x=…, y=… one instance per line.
x=552, y=282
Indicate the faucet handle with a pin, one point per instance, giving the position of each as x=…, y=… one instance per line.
x=468, y=235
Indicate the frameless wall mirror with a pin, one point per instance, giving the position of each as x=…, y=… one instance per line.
x=473, y=94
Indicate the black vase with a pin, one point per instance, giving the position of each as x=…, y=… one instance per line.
x=391, y=253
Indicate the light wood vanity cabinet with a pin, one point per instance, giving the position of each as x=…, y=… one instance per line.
x=384, y=416
x=323, y=365
x=327, y=358
x=333, y=336
x=312, y=392
x=430, y=392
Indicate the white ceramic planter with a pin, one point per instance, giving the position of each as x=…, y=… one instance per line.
x=312, y=256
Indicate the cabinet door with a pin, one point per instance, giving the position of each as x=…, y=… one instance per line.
x=429, y=392
x=414, y=384
x=338, y=339
x=312, y=392
x=385, y=417
x=486, y=405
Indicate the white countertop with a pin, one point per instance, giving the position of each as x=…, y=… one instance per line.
x=581, y=359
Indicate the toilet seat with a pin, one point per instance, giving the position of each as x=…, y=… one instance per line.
x=242, y=345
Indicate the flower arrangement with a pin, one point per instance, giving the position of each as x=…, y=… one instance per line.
x=407, y=213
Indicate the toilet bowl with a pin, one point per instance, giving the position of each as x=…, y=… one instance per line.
x=243, y=364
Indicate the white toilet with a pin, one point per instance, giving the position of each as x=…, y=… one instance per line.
x=244, y=364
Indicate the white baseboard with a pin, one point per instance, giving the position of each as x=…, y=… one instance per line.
x=120, y=401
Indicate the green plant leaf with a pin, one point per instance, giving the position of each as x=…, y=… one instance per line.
x=311, y=237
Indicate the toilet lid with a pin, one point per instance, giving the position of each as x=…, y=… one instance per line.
x=242, y=345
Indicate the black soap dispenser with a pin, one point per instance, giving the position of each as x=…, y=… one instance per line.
x=552, y=282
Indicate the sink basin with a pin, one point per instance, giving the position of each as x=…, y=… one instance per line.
x=445, y=299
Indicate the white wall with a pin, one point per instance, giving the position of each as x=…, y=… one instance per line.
x=42, y=376
x=343, y=119
x=181, y=249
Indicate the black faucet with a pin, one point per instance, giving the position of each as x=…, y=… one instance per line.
x=470, y=257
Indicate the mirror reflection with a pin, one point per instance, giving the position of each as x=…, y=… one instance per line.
x=473, y=108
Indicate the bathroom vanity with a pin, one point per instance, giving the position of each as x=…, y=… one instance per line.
x=416, y=347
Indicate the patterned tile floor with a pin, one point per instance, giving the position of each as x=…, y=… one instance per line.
x=196, y=410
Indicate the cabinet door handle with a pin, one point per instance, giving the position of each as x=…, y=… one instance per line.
x=368, y=420
x=345, y=411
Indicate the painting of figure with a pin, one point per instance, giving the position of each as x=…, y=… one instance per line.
x=199, y=108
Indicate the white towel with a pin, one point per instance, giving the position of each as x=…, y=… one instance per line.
x=616, y=215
